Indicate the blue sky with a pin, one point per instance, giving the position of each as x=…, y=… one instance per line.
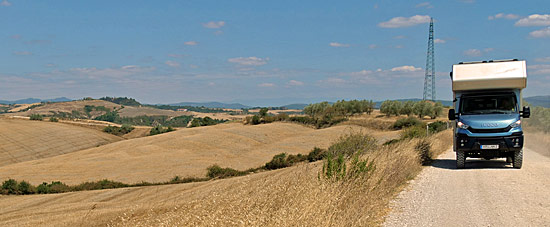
x=259, y=52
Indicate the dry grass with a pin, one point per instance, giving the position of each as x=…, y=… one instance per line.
x=538, y=141
x=25, y=140
x=288, y=197
x=68, y=107
x=185, y=152
x=134, y=111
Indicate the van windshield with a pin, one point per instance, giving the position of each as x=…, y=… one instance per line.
x=488, y=104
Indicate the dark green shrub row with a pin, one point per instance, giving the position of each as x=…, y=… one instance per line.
x=306, y=120
x=122, y=101
x=54, y=119
x=406, y=122
x=36, y=117
x=160, y=129
x=118, y=131
x=206, y=121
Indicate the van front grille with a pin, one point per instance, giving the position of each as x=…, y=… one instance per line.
x=492, y=130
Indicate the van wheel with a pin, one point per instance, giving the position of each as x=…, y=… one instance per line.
x=518, y=159
x=509, y=160
x=460, y=160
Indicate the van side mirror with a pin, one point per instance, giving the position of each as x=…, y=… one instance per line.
x=526, y=113
x=452, y=114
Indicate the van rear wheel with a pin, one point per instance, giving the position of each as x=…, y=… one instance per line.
x=460, y=160
x=518, y=159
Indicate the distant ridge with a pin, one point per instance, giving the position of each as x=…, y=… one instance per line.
x=35, y=100
x=212, y=105
x=541, y=100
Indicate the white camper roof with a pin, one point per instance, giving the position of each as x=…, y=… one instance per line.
x=489, y=75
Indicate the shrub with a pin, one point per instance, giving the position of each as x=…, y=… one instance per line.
x=118, y=131
x=424, y=151
x=437, y=126
x=417, y=131
x=102, y=184
x=10, y=186
x=58, y=187
x=278, y=161
x=25, y=188
x=216, y=171
x=316, y=154
x=159, y=130
x=36, y=117
x=406, y=122
x=351, y=144
x=43, y=188
x=54, y=119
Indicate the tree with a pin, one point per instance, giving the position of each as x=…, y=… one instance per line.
x=407, y=108
x=385, y=108
x=263, y=112
x=437, y=110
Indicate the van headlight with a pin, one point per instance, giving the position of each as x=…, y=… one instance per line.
x=516, y=124
x=462, y=125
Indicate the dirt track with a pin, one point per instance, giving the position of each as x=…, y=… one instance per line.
x=487, y=193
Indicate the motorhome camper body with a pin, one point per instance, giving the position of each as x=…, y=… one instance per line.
x=487, y=101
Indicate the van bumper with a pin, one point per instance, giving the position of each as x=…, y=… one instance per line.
x=472, y=146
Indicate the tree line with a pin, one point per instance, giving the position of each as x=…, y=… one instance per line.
x=420, y=108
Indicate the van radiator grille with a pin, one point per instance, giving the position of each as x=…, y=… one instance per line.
x=492, y=130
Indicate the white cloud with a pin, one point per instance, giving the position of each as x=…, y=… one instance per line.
x=534, y=20
x=545, y=59
x=405, y=68
x=214, y=24
x=335, y=44
x=172, y=64
x=191, y=43
x=439, y=41
x=5, y=3
x=539, y=69
x=266, y=85
x=424, y=4
x=22, y=53
x=504, y=16
x=398, y=46
x=373, y=46
x=400, y=22
x=251, y=61
x=542, y=33
x=363, y=72
x=472, y=52
x=295, y=83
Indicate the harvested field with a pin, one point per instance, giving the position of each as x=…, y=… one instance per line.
x=185, y=152
x=133, y=111
x=287, y=197
x=68, y=107
x=24, y=140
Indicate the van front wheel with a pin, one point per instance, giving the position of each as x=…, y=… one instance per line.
x=518, y=159
x=460, y=160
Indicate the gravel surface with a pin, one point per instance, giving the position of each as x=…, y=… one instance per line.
x=486, y=193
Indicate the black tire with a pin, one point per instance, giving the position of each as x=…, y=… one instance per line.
x=460, y=160
x=509, y=159
x=518, y=159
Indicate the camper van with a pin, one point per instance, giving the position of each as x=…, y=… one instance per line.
x=488, y=110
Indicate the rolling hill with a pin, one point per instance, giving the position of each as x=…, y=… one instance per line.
x=25, y=140
x=185, y=152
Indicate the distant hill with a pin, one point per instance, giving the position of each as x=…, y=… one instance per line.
x=296, y=106
x=543, y=100
x=35, y=100
x=212, y=105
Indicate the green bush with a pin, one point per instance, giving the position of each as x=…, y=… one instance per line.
x=54, y=119
x=25, y=188
x=437, y=126
x=10, y=186
x=102, y=184
x=118, y=131
x=159, y=130
x=216, y=171
x=206, y=121
x=406, y=122
x=352, y=144
x=36, y=117
x=316, y=154
x=424, y=151
x=417, y=131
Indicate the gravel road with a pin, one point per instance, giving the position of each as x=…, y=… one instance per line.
x=486, y=193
